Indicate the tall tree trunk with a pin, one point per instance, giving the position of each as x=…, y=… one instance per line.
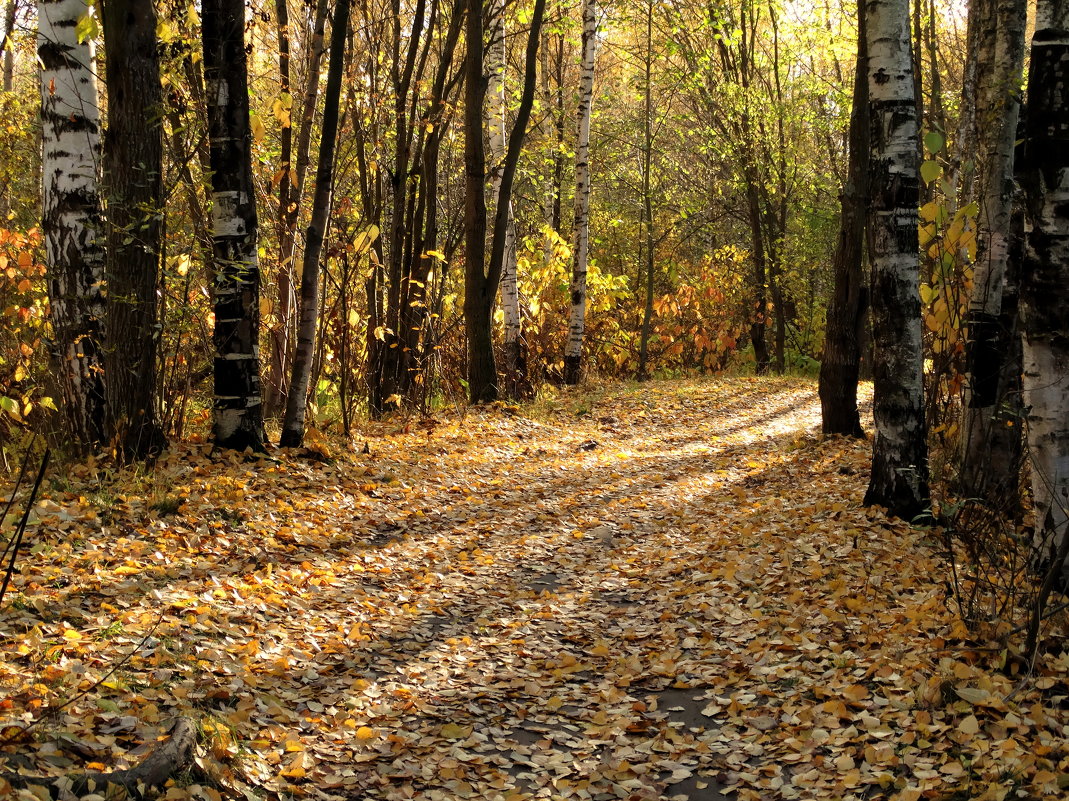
x=648, y=246
x=990, y=462
x=899, y=479
x=290, y=194
x=573, y=354
x=840, y=365
x=496, y=139
x=297, y=401
x=238, y=407
x=133, y=154
x=1045, y=284
x=478, y=303
x=71, y=219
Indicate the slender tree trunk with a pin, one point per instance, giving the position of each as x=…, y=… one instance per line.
x=133, y=155
x=990, y=462
x=297, y=401
x=478, y=303
x=496, y=139
x=647, y=196
x=899, y=479
x=573, y=354
x=1045, y=283
x=71, y=219
x=291, y=193
x=840, y=365
x=7, y=45
x=238, y=407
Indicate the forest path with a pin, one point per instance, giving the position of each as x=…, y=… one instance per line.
x=658, y=591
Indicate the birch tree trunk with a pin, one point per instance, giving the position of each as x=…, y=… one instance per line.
x=133, y=182
x=573, y=354
x=297, y=401
x=1045, y=283
x=990, y=463
x=238, y=407
x=71, y=218
x=841, y=362
x=496, y=140
x=899, y=479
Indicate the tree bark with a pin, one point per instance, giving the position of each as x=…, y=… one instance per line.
x=238, y=407
x=899, y=479
x=990, y=461
x=1045, y=283
x=297, y=401
x=478, y=299
x=573, y=354
x=496, y=139
x=841, y=363
x=133, y=154
x=71, y=216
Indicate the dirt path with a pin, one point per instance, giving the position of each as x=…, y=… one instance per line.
x=659, y=592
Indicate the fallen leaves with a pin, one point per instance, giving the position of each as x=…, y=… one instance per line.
x=486, y=608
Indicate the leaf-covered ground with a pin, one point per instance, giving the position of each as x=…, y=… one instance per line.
x=661, y=591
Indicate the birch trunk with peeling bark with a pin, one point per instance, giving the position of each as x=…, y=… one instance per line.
x=496, y=141
x=990, y=461
x=1045, y=284
x=238, y=406
x=899, y=479
x=573, y=354
x=71, y=218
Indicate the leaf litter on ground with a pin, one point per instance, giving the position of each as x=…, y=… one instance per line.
x=484, y=606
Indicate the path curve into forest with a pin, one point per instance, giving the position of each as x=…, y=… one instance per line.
x=657, y=591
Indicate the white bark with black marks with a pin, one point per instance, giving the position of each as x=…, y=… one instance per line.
x=899, y=479
x=71, y=214
x=573, y=353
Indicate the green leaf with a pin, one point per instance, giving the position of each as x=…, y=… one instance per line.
x=930, y=170
x=933, y=142
x=86, y=28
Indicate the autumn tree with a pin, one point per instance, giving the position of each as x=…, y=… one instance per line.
x=133, y=187
x=71, y=218
x=899, y=479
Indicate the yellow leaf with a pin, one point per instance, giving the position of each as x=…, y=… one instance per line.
x=365, y=733
x=454, y=731
x=257, y=127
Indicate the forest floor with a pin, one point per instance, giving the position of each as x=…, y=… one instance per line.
x=659, y=591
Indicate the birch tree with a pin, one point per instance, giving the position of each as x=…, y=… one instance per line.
x=238, y=406
x=990, y=462
x=899, y=479
x=573, y=354
x=133, y=184
x=496, y=140
x=297, y=401
x=1045, y=284
x=71, y=219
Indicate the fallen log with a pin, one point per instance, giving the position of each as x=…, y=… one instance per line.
x=152, y=773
